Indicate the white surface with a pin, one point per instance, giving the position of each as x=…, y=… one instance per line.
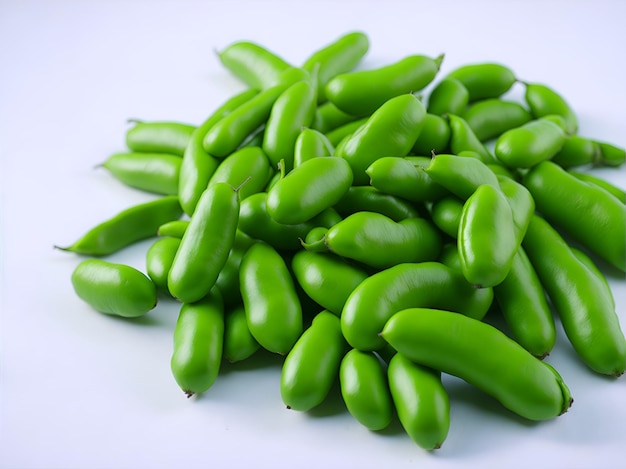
x=82, y=390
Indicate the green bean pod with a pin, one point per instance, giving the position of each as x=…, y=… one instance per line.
x=484, y=80
x=483, y=356
x=524, y=306
x=159, y=137
x=206, y=243
x=253, y=64
x=198, y=166
x=315, y=240
x=449, y=96
x=228, y=279
x=273, y=309
x=362, y=92
x=487, y=239
x=401, y=178
x=615, y=191
x=463, y=138
x=343, y=133
x=293, y=110
x=390, y=131
x=378, y=241
x=338, y=57
x=232, y=130
x=446, y=215
x=421, y=401
x=329, y=117
x=159, y=258
x=489, y=118
x=246, y=164
x=311, y=144
x=368, y=198
x=151, y=172
x=198, y=344
x=582, y=299
x=587, y=213
x=309, y=189
x=530, y=144
x=611, y=155
x=174, y=229
x=434, y=137
x=365, y=389
x=577, y=151
x=326, y=279
x=239, y=343
x=312, y=366
x=543, y=101
x=129, y=226
x=426, y=284
x=521, y=202
x=460, y=175
x=115, y=289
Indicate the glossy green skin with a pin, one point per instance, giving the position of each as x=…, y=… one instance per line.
x=362, y=92
x=577, y=151
x=228, y=279
x=249, y=164
x=463, y=138
x=500, y=170
x=273, y=309
x=253, y=64
x=338, y=57
x=198, y=344
x=309, y=189
x=421, y=401
x=581, y=298
x=489, y=118
x=326, y=279
x=524, y=306
x=530, y=144
x=446, y=215
x=159, y=258
x=449, y=96
x=587, y=213
x=174, y=229
x=198, y=166
x=151, y=172
x=368, y=198
x=314, y=240
x=159, y=137
x=611, y=155
x=232, y=130
x=487, y=240
x=239, y=343
x=365, y=389
x=483, y=356
x=434, y=137
x=205, y=245
x=127, y=227
x=426, y=284
x=377, y=241
x=116, y=289
x=615, y=191
x=484, y=80
x=293, y=110
x=345, y=131
x=402, y=178
x=521, y=202
x=329, y=117
x=543, y=101
x=460, y=175
x=390, y=131
x=311, y=144
x=312, y=366
x=255, y=221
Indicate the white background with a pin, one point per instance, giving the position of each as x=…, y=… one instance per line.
x=83, y=390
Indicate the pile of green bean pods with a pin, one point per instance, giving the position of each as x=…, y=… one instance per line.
x=362, y=223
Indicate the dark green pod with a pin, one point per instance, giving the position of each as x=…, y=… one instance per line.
x=311, y=144
x=460, y=175
x=249, y=164
x=329, y=117
x=446, y=215
x=449, y=96
x=127, y=227
x=151, y=172
x=174, y=229
x=489, y=118
x=543, y=101
x=434, y=137
x=577, y=151
x=368, y=198
x=159, y=137
x=239, y=343
x=463, y=138
x=484, y=80
x=198, y=344
x=159, y=258
x=115, y=289
x=228, y=279
x=615, y=191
